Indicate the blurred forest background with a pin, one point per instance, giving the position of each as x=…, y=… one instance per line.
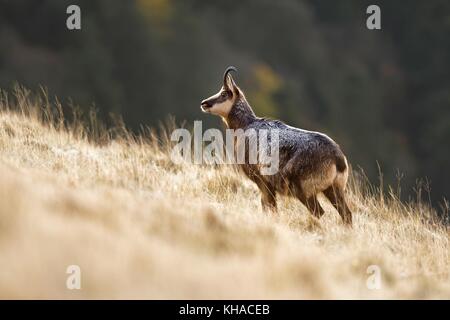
x=384, y=95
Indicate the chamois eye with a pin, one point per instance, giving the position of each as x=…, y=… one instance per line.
x=224, y=94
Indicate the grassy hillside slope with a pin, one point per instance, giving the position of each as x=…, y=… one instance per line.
x=140, y=226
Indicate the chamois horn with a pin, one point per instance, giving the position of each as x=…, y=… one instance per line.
x=227, y=71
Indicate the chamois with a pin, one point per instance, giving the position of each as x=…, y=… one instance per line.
x=309, y=162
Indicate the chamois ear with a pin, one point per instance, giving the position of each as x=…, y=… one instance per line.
x=228, y=81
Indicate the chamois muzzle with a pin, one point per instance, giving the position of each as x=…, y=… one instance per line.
x=205, y=105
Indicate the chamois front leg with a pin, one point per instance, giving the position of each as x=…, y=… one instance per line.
x=268, y=199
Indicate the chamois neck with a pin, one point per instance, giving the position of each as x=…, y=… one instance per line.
x=241, y=114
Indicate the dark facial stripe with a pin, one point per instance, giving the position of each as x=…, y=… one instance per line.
x=224, y=96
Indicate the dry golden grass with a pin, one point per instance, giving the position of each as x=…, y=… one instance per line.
x=140, y=226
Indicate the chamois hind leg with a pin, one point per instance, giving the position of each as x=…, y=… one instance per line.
x=314, y=206
x=311, y=203
x=336, y=196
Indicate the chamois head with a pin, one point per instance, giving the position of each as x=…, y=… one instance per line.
x=221, y=103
